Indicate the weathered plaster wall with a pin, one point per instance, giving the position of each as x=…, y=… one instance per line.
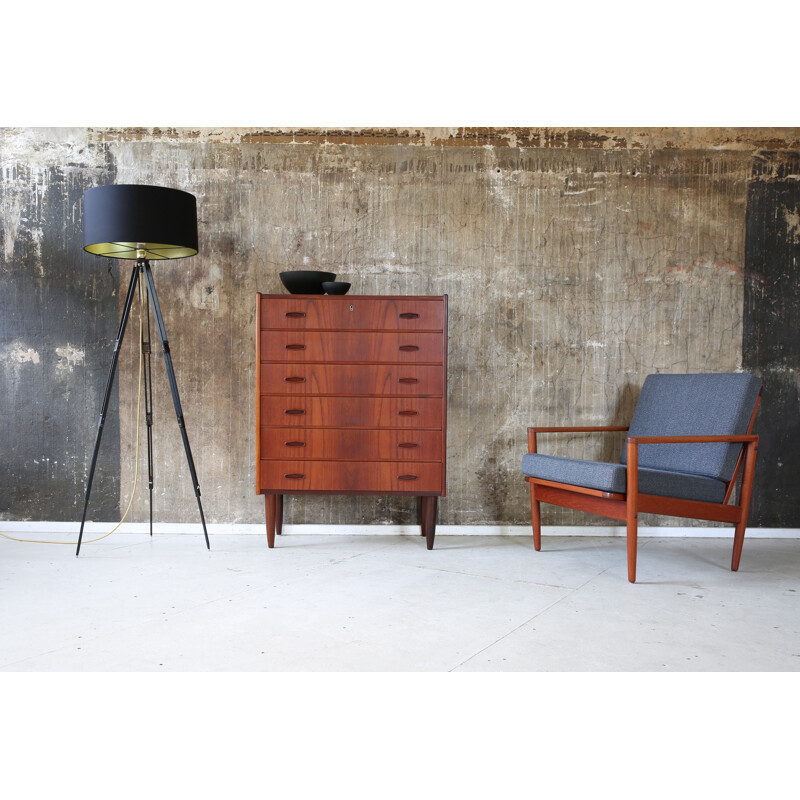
x=576, y=262
x=56, y=320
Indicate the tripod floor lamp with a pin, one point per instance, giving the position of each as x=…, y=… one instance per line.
x=141, y=223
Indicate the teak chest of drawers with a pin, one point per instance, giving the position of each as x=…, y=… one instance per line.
x=351, y=399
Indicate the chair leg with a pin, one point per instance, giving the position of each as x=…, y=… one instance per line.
x=536, y=519
x=632, y=506
x=738, y=543
x=744, y=502
x=633, y=539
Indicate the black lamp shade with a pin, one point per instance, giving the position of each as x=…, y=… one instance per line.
x=132, y=221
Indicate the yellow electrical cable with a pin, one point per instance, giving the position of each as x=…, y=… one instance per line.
x=136, y=457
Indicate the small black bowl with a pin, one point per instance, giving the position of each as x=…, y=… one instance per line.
x=335, y=287
x=306, y=281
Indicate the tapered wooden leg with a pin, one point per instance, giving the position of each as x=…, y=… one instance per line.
x=632, y=503
x=738, y=544
x=744, y=503
x=279, y=514
x=633, y=538
x=536, y=519
x=270, y=504
x=430, y=506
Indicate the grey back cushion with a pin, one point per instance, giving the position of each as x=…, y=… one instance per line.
x=694, y=405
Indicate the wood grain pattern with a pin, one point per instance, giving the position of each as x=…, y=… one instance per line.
x=352, y=379
x=344, y=477
x=352, y=412
x=351, y=444
x=329, y=313
x=351, y=346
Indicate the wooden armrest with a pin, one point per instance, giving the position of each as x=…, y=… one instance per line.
x=750, y=442
x=569, y=429
x=581, y=429
x=637, y=440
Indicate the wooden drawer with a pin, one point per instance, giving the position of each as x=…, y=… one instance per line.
x=342, y=312
x=350, y=476
x=366, y=379
x=352, y=346
x=350, y=444
x=351, y=412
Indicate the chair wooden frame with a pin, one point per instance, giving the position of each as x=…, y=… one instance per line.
x=626, y=507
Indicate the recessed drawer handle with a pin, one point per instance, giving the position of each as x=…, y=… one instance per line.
x=295, y=411
x=408, y=413
x=294, y=476
x=409, y=380
x=409, y=348
x=295, y=379
x=294, y=444
x=295, y=347
x=406, y=477
x=408, y=444
x=409, y=315
x=294, y=314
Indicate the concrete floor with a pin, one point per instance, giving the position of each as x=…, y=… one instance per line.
x=385, y=603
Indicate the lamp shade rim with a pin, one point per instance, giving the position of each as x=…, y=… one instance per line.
x=150, y=250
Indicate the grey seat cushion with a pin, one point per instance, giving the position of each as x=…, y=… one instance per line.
x=612, y=478
x=719, y=404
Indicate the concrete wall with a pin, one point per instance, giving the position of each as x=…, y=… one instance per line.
x=576, y=262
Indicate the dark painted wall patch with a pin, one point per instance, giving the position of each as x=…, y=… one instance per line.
x=58, y=321
x=771, y=337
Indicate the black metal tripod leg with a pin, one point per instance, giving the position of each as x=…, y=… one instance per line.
x=173, y=385
x=148, y=404
x=107, y=396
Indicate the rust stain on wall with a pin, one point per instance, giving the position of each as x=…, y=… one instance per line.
x=749, y=139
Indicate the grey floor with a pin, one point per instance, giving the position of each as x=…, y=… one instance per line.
x=385, y=603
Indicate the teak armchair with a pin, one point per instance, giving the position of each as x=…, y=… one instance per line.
x=687, y=442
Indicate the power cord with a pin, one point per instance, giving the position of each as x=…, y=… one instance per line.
x=136, y=462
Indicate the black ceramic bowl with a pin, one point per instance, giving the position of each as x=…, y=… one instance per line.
x=335, y=287
x=306, y=281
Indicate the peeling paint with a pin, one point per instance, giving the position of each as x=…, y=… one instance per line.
x=792, y=218
x=609, y=139
x=68, y=357
x=19, y=353
x=11, y=210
